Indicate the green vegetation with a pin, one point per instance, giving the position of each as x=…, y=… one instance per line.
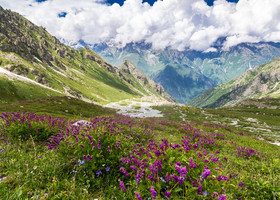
x=29, y=51
x=68, y=107
x=260, y=117
x=257, y=83
x=121, y=157
x=14, y=90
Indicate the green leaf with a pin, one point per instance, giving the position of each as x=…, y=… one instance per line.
x=178, y=190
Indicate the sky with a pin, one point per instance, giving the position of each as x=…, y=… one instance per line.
x=179, y=24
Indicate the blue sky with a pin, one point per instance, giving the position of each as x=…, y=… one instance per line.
x=179, y=24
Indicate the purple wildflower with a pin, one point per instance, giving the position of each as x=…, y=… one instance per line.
x=89, y=157
x=199, y=189
x=205, y=193
x=107, y=169
x=154, y=192
x=98, y=173
x=90, y=138
x=205, y=174
x=241, y=184
x=108, y=148
x=222, y=197
x=99, y=144
x=167, y=194
x=122, y=185
x=138, y=178
x=138, y=196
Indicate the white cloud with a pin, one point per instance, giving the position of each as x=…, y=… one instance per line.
x=175, y=23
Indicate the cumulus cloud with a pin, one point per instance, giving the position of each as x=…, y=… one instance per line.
x=178, y=24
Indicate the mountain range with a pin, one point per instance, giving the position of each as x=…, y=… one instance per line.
x=185, y=74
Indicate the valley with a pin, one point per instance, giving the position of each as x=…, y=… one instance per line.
x=74, y=126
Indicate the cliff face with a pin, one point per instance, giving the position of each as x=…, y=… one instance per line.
x=261, y=82
x=138, y=78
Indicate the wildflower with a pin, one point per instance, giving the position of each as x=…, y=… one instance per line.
x=151, y=178
x=133, y=167
x=89, y=157
x=199, y=188
x=2, y=150
x=162, y=179
x=39, y=156
x=222, y=197
x=167, y=194
x=98, y=173
x=107, y=169
x=90, y=138
x=138, y=196
x=74, y=171
x=241, y=184
x=205, y=174
x=99, y=144
x=81, y=162
x=122, y=185
x=108, y=148
x=215, y=194
x=124, y=172
x=205, y=193
x=138, y=178
x=154, y=192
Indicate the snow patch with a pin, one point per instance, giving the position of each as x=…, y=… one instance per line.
x=24, y=79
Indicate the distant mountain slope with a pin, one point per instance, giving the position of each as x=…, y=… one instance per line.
x=142, y=82
x=181, y=82
x=218, y=66
x=263, y=81
x=28, y=51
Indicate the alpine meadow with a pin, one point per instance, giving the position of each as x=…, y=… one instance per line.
x=132, y=99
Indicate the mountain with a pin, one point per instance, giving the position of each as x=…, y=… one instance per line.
x=216, y=66
x=143, y=83
x=181, y=82
x=35, y=64
x=260, y=82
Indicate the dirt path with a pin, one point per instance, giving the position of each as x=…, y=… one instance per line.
x=135, y=108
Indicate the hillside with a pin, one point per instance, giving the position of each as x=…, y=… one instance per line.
x=261, y=82
x=30, y=55
x=142, y=82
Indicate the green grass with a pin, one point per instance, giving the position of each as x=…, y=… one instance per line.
x=266, y=118
x=67, y=107
x=14, y=90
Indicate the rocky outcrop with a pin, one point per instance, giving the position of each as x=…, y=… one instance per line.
x=150, y=86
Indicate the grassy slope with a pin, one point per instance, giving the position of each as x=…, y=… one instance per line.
x=232, y=92
x=67, y=107
x=12, y=91
x=85, y=73
x=257, y=117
